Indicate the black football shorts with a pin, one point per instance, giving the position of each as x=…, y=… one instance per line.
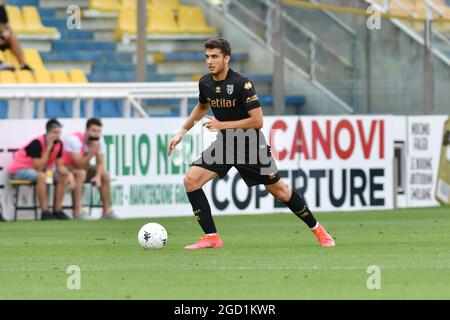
x=252, y=159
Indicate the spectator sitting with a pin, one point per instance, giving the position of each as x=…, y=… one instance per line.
x=84, y=156
x=8, y=40
x=32, y=161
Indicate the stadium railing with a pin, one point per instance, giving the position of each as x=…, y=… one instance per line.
x=132, y=94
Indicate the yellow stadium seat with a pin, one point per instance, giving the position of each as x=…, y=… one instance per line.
x=11, y=58
x=105, y=5
x=33, y=22
x=192, y=20
x=172, y=4
x=60, y=76
x=24, y=76
x=42, y=76
x=132, y=4
x=126, y=23
x=33, y=59
x=129, y=4
x=77, y=76
x=7, y=77
x=161, y=20
x=15, y=19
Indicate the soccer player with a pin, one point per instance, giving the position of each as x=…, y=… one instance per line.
x=236, y=108
x=84, y=154
x=37, y=159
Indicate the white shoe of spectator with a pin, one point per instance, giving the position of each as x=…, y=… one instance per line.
x=85, y=216
x=110, y=215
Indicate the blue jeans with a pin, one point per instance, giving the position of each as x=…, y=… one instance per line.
x=25, y=174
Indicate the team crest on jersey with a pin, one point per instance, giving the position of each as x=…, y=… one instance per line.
x=230, y=89
x=217, y=89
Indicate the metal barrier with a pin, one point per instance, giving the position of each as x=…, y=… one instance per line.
x=22, y=97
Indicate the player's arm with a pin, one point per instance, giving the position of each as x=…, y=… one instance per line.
x=34, y=151
x=61, y=168
x=74, y=146
x=40, y=163
x=197, y=113
x=80, y=161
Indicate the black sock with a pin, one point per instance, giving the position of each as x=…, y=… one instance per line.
x=300, y=209
x=202, y=210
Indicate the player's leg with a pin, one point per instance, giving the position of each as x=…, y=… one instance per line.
x=16, y=49
x=294, y=202
x=298, y=206
x=105, y=191
x=194, y=180
x=80, y=177
x=60, y=189
x=41, y=190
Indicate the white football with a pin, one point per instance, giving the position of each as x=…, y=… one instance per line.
x=152, y=236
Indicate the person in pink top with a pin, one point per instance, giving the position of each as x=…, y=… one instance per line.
x=33, y=160
x=84, y=154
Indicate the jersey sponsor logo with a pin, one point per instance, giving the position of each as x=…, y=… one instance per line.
x=248, y=85
x=230, y=89
x=251, y=99
x=222, y=103
x=217, y=89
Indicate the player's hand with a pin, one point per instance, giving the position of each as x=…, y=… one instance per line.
x=213, y=124
x=50, y=141
x=97, y=181
x=173, y=143
x=95, y=147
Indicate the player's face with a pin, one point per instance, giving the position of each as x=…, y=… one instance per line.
x=215, y=60
x=55, y=133
x=93, y=133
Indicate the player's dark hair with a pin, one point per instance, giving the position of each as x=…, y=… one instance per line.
x=93, y=122
x=52, y=123
x=219, y=43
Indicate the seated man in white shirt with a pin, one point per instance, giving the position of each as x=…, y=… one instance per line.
x=84, y=155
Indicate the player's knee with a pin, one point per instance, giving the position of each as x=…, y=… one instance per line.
x=41, y=178
x=80, y=175
x=283, y=194
x=191, y=183
x=62, y=177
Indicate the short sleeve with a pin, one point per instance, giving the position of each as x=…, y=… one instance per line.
x=72, y=144
x=34, y=149
x=249, y=97
x=102, y=148
x=201, y=97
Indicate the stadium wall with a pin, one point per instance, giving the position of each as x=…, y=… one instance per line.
x=338, y=163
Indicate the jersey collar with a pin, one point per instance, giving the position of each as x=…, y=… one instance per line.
x=229, y=73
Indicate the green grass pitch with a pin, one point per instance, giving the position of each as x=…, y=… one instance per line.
x=264, y=257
